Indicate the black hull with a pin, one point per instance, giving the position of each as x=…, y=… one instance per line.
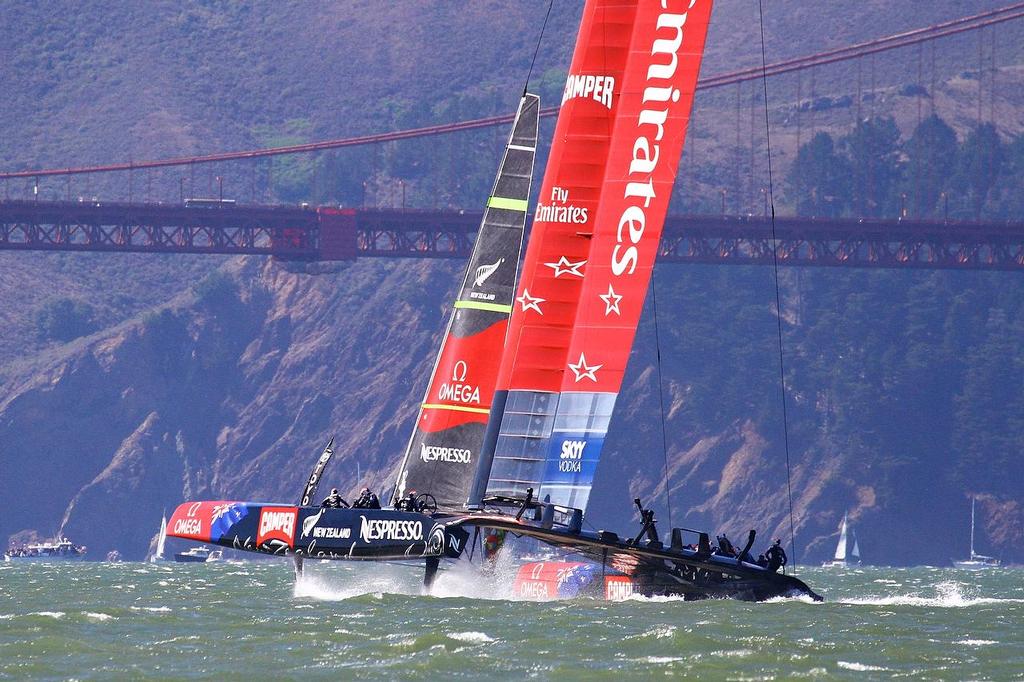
x=387, y=534
x=655, y=570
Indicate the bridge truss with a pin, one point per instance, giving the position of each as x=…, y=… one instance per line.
x=331, y=234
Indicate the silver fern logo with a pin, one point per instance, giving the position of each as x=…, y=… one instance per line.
x=484, y=272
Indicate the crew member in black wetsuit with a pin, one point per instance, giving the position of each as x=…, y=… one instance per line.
x=367, y=500
x=408, y=503
x=334, y=500
x=776, y=556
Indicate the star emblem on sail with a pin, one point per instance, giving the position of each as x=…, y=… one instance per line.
x=566, y=267
x=584, y=371
x=611, y=301
x=530, y=302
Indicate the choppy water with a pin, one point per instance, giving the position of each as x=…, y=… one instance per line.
x=248, y=621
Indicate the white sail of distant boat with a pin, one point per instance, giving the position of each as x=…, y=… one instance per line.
x=977, y=560
x=159, y=555
x=841, y=559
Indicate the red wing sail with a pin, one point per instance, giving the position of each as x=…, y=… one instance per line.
x=596, y=230
x=442, y=455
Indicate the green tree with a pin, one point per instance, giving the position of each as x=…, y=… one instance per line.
x=64, y=319
x=874, y=152
x=933, y=154
x=984, y=438
x=818, y=183
x=1008, y=195
x=981, y=159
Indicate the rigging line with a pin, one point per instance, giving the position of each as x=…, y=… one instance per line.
x=778, y=296
x=661, y=398
x=540, y=38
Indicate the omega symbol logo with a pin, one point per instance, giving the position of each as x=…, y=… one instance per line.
x=459, y=372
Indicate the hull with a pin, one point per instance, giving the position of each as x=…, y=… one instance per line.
x=624, y=567
x=618, y=568
x=315, y=532
x=840, y=563
x=549, y=580
x=184, y=558
x=975, y=565
x=56, y=557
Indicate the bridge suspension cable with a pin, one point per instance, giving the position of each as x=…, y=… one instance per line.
x=892, y=42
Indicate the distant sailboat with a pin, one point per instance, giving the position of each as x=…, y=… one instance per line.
x=159, y=556
x=841, y=559
x=976, y=561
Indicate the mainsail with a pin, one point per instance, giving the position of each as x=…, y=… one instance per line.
x=595, y=235
x=841, y=547
x=162, y=540
x=444, y=448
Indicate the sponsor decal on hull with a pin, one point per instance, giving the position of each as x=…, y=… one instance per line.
x=277, y=526
x=617, y=587
x=205, y=521
x=554, y=579
x=397, y=530
x=311, y=528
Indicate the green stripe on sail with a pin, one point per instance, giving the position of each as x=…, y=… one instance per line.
x=456, y=408
x=509, y=204
x=477, y=305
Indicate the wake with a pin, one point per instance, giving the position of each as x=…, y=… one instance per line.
x=458, y=580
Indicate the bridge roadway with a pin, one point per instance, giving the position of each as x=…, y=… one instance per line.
x=332, y=234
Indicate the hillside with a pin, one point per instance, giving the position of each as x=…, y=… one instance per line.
x=904, y=386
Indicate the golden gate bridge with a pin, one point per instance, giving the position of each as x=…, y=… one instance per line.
x=328, y=233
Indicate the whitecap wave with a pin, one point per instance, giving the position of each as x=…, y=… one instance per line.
x=806, y=599
x=977, y=642
x=91, y=615
x=48, y=614
x=860, y=667
x=948, y=595
x=471, y=637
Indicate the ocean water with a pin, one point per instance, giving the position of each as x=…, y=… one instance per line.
x=249, y=621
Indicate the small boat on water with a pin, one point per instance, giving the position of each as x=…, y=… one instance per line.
x=60, y=549
x=198, y=555
x=977, y=561
x=842, y=559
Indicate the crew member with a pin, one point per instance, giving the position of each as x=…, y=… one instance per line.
x=367, y=500
x=334, y=500
x=776, y=556
x=408, y=503
x=725, y=547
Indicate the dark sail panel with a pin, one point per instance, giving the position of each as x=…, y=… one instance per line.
x=317, y=474
x=442, y=454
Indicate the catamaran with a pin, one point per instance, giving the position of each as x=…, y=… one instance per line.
x=841, y=559
x=520, y=398
x=977, y=561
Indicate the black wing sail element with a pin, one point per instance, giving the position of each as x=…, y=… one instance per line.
x=317, y=474
x=445, y=445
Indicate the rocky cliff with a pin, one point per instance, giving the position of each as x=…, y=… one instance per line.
x=231, y=389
